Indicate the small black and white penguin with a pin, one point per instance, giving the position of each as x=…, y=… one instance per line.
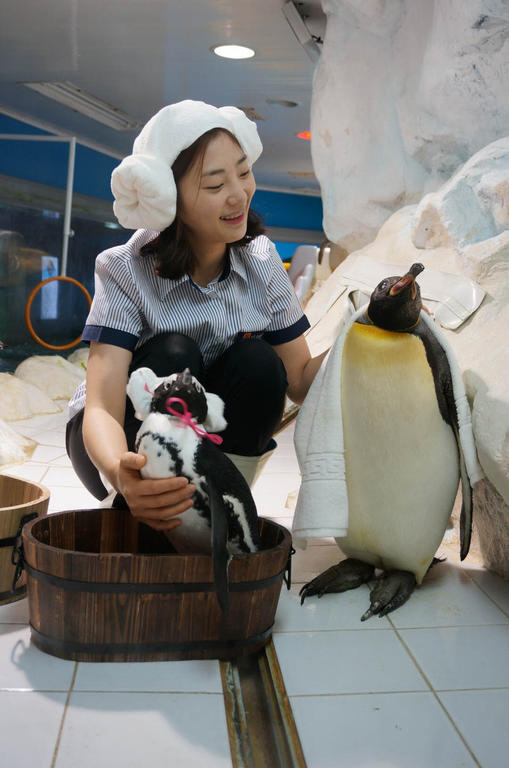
x=178, y=416
x=403, y=457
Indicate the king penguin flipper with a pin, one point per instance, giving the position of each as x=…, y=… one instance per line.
x=441, y=370
x=466, y=507
x=219, y=537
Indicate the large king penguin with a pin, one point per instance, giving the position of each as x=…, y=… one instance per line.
x=403, y=458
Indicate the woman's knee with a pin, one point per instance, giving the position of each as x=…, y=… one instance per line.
x=251, y=379
x=257, y=361
x=249, y=371
x=169, y=353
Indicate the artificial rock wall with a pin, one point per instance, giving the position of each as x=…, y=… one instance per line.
x=404, y=93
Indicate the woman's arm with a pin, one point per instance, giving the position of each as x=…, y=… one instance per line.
x=301, y=368
x=154, y=502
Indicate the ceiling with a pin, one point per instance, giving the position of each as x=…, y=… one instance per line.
x=139, y=55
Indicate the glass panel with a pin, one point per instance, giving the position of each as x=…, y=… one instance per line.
x=30, y=251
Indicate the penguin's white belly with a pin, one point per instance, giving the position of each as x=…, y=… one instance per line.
x=402, y=468
x=193, y=534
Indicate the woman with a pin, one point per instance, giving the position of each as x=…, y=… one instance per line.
x=197, y=286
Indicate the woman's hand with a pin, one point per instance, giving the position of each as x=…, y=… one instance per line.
x=155, y=502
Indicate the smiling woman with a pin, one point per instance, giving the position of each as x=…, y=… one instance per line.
x=200, y=189
x=214, y=205
x=197, y=286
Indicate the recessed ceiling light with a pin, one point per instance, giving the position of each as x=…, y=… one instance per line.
x=233, y=51
x=304, y=135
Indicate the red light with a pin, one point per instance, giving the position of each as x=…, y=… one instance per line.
x=304, y=135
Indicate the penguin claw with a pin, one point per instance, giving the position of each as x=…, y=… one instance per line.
x=368, y=614
x=347, y=574
x=392, y=591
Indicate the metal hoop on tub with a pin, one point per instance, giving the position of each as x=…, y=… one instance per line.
x=29, y=306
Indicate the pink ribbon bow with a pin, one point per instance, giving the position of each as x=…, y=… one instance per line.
x=187, y=420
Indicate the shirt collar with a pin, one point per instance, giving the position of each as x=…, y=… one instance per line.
x=164, y=285
x=235, y=263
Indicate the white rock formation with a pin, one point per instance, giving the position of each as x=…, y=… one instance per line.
x=21, y=400
x=472, y=206
x=14, y=448
x=51, y=373
x=404, y=93
x=79, y=357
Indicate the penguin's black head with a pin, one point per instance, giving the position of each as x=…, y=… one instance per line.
x=188, y=389
x=395, y=303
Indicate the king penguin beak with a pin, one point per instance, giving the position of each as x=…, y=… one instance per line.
x=406, y=280
x=402, y=284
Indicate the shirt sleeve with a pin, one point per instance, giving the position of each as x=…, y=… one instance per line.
x=115, y=316
x=288, y=320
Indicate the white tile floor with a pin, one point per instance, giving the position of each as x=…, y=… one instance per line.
x=426, y=687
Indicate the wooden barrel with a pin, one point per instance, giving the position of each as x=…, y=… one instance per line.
x=103, y=587
x=18, y=498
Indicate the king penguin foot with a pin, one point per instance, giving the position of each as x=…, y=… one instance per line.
x=393, y=589
x=348, y=574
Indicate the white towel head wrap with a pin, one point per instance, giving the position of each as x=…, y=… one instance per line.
x=143, y=184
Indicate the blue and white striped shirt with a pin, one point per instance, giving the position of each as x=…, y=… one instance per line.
x=132, y=304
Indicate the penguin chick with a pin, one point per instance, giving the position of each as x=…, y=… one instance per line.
x=403, y=456
x=178, y=415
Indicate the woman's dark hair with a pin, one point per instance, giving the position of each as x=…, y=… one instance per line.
x=175, y=257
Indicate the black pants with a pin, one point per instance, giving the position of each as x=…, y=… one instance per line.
x=249, y=377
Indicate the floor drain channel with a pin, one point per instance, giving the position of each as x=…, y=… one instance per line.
x=261, y=727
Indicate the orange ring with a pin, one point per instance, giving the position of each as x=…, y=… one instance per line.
x=29, y=306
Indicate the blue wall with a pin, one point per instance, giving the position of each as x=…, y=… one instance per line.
x=46, y=163
x=292, y=211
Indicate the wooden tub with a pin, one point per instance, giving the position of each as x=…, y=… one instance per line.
x=19, y=500
x=103, y=587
